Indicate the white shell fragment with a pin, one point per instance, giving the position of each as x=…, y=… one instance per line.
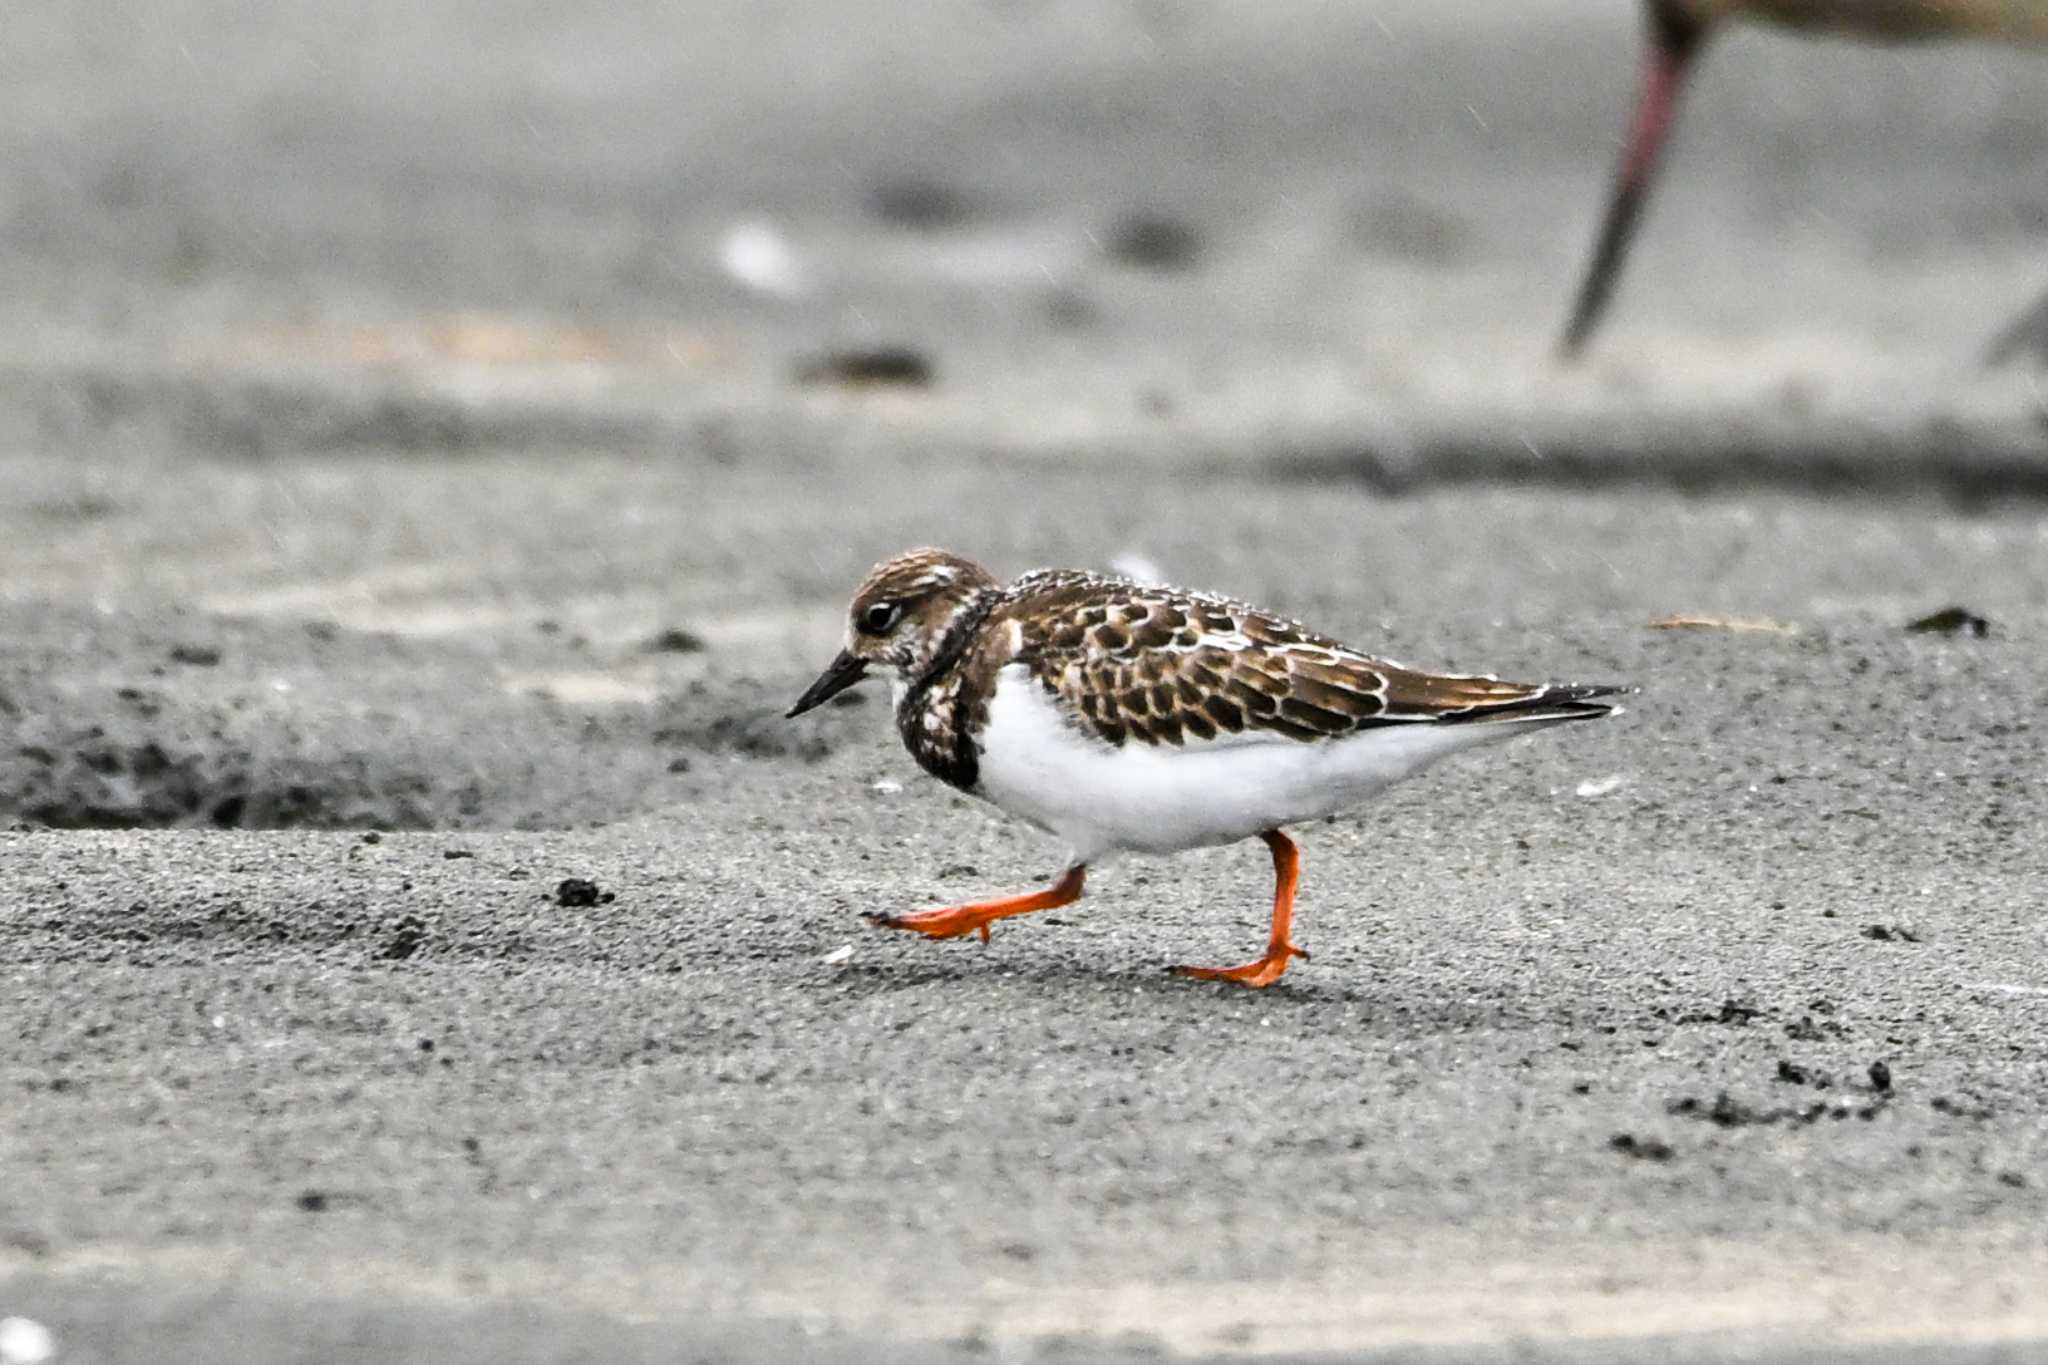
x=24, y=1341
x=756, y=254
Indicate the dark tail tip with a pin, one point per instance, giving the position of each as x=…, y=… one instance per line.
x=1584, y=699
x=1558, y=701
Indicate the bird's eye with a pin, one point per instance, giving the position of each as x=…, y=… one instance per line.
x=879, y=617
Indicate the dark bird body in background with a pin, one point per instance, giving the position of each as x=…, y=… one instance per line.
x=1678, y=29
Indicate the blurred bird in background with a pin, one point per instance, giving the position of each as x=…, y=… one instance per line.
x=1678, y=29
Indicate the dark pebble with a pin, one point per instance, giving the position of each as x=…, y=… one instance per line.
x=1644, y=1149
x=1950, y=621
x=870, y=367
x=576, y=893
x=1153, y=241
x=676, y=640
x=926, y=205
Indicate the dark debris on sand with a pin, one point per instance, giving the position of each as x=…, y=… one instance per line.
x=1152, y=241
x=1950, y=621
x=1643, y=1149
x=922, y=204
x=127, y=776
x=578, y=893
x=341, y=730
x=1725, y=1111
x=872, y=367
x=676, y=640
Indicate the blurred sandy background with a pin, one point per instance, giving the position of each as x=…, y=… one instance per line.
x=1366, y=220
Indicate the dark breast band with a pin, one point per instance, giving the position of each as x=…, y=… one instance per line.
x=944, y=746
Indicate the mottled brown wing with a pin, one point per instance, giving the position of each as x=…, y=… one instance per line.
x=1166, y=666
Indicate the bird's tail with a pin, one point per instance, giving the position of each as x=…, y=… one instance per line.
x=1550, y=703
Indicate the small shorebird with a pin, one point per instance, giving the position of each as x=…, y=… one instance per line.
x=1122, y=717
x=1679, y=28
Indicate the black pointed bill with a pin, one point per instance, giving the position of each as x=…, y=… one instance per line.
x=842, y=673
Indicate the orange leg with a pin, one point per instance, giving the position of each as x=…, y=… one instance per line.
x=1279, y=947
x=955, y=920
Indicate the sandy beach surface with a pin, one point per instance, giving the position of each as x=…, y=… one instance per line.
x=436, y=443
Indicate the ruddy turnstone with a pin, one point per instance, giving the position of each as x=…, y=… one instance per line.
x=1119, y=716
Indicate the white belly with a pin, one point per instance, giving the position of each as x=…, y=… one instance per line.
x=1158, y=798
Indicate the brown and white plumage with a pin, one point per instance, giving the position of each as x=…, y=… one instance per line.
x=1164, y=665
x=1121, y=716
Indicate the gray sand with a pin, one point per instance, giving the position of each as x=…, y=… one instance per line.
x=682, y=1113
x=402, y=511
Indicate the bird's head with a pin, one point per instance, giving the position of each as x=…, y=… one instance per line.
x=900, y=618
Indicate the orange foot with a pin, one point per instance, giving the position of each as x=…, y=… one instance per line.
x=1280, y=944
x=951, y=922
x=956, y=920
x=1264, y=972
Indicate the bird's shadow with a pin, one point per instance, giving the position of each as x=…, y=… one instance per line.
x=1059, y=978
